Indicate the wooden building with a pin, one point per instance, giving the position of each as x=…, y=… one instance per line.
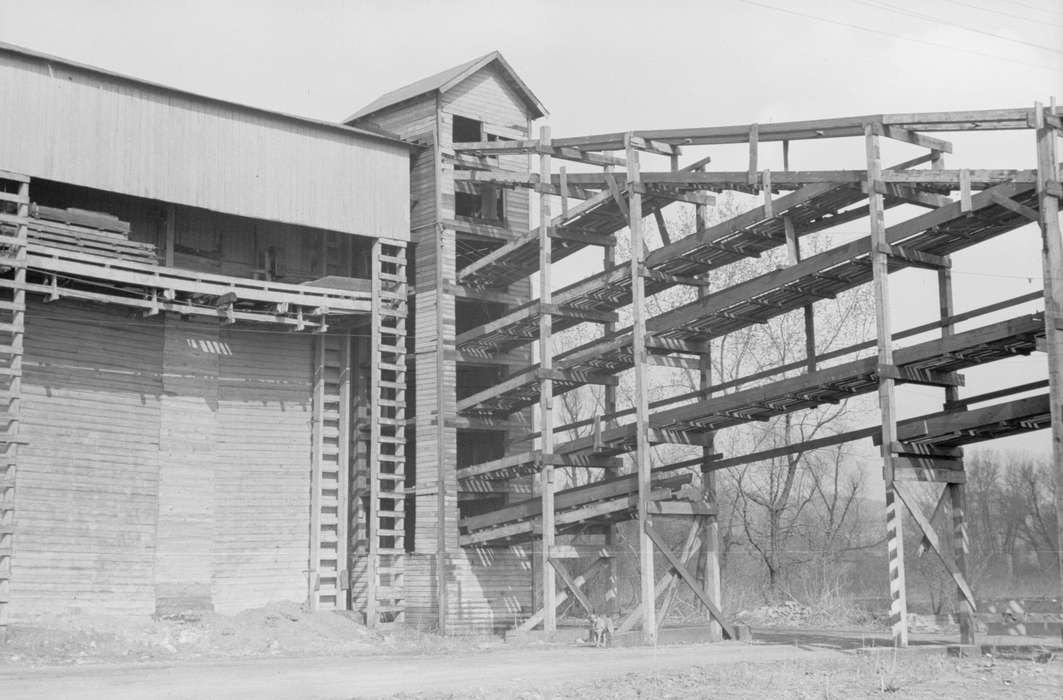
x=483, y=588
x=250, y=357
x=203, y=347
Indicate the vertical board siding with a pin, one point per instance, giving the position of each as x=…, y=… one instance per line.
x=262, y=472
x=151, y=142
x=88, y=477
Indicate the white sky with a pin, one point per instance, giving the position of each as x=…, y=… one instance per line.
x=611, y=65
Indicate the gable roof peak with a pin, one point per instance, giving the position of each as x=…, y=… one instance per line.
x=449, y=78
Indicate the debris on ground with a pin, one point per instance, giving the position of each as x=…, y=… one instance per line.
x=278, y=629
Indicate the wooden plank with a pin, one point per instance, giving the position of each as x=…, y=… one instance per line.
x=317, y=446
x=582, y=579
x=960, y=543
x=668, y=581
x=1052, y=262
x=912, y=503
x=1009, y=203
x=916, y=139
x=642, y=409
x=689, y=579
x=573, y=587
x=887, y=399
x=681, y=508
x=546, y=393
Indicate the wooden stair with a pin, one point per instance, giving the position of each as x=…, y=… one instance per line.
x=14, y=213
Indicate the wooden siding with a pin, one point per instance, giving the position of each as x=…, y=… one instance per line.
x=88, y=477
x=489, y=590
x=415, y=121
x=185, y=532
x=486, y=96
x=167, y=465
x=262, y=477
x=70, y=125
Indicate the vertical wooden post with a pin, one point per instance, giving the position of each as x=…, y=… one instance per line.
x=441, y=408
x=642, y=405
x=343, y=475
x=372, y=615
x=317, y=449
x=169, y=235
x=886, y=390
x=958, y=503
x=793, y=251
x=1052, y=262
x=710, y=552
x=612, y=594
x=957, y=495
x=546, y=388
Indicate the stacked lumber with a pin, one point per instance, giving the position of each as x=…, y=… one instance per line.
x=86, y=232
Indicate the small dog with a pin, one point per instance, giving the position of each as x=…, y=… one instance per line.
x=601, y=630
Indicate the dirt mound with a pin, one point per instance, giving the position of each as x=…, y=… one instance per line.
x=281, y=629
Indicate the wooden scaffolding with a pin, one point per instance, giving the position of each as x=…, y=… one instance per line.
x=613, y=193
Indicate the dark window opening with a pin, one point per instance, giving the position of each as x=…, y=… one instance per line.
x=466, y=130
x=488, y=204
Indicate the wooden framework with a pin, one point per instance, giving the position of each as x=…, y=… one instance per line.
x=357, y=442
x=960, y=208
x=14, y=220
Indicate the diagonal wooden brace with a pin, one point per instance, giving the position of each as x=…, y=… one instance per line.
x=689, y=579
x=909, y=500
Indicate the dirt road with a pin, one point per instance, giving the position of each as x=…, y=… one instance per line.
x=499, y=673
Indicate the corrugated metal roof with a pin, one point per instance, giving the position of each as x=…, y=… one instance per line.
x=444, y=80
x=369, y=131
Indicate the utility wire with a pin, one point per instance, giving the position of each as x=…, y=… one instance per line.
x=893, y=34
x=1005, y=14
x=1027, y=5
x=936, y=20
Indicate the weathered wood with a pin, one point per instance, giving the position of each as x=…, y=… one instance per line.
x=667, y=583
x=689, y=579
x=573, y=587
x=584, y=577
x=546, y=392
x=887, y=400
x=642, y=409
x=1052, y=263
x=912, y=503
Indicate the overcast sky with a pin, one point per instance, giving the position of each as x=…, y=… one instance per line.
x=615, y=65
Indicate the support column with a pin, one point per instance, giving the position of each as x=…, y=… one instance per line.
x=546, y=390
x=710, y=551
x=642, y=405
x=886, y=390
x=956, y=494
x=612, y=594
x=1052, y=261
x=793, y=253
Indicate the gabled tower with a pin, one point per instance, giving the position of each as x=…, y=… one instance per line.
x=452, y=227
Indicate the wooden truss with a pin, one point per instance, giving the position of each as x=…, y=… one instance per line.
x=959, y=208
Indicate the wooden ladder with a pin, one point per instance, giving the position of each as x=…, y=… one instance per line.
x=14, y=211
x=386, y=536
x=330, y=474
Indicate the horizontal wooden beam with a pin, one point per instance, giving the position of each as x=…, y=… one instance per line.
x=916, y=139
x=579, y=314
x=680, y=508
x=578, y=551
